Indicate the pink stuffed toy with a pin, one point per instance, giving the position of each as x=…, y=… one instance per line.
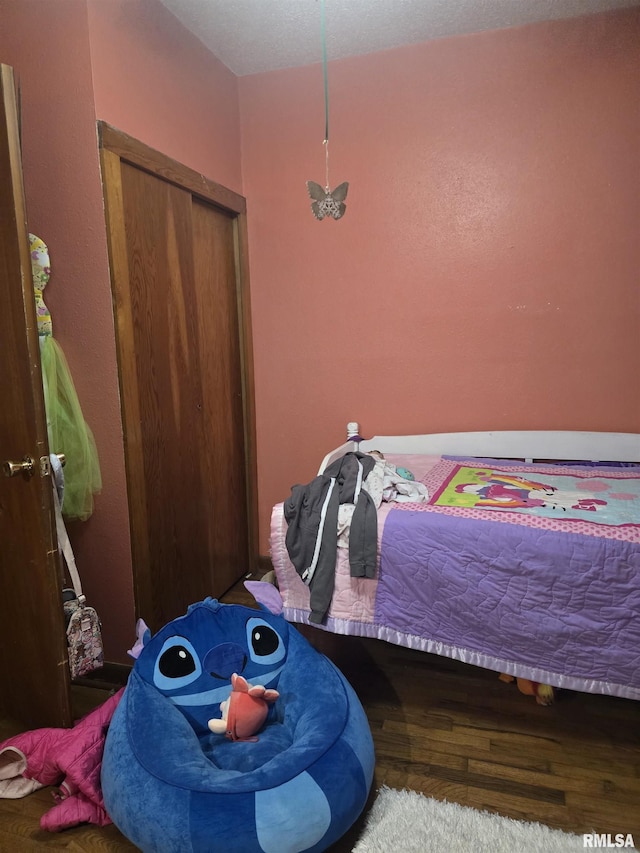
x=245, y=711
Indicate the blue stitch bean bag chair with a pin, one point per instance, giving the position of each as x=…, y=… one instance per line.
x=170, y=784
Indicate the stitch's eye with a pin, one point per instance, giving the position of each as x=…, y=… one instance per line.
x=265, y=644
x=264, y=641
x=177, y=664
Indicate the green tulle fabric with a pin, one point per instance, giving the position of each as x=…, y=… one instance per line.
x=69, y=433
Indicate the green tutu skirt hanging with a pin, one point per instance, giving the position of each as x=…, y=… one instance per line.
x=69, y=433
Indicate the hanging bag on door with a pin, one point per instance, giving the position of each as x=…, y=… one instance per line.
x=84, y=636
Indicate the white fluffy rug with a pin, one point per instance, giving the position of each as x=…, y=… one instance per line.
x=408, y=822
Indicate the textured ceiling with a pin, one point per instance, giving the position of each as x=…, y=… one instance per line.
x=251, y=36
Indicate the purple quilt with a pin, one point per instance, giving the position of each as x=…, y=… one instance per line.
x=532, y=570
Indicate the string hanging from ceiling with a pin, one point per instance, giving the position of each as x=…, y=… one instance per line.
x=324, y=202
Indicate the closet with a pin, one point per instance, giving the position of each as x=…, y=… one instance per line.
x=178, y=264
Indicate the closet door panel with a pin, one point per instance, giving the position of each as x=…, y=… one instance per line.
x=165, y=468
x=221, y=389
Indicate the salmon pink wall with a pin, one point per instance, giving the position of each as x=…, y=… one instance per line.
x=156, y=81
x=485, y=274
x=131, y=64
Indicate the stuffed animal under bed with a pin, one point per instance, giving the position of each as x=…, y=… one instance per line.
x=297, y=777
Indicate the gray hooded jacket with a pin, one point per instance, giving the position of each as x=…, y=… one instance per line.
x=311, y=513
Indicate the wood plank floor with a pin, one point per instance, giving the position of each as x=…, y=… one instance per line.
x=449, y=730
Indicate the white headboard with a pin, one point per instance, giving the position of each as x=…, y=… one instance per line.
x=515, y=444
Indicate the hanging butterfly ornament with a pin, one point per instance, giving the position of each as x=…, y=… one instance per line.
x=325, y=202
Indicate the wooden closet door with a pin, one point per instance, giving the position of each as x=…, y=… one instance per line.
x=182, y=327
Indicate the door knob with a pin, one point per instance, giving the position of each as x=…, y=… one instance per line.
x=26, y=468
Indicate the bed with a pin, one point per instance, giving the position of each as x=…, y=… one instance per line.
x=524, y=558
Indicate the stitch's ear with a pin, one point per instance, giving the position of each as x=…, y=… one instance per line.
x=143, y=635
x=266, y=595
